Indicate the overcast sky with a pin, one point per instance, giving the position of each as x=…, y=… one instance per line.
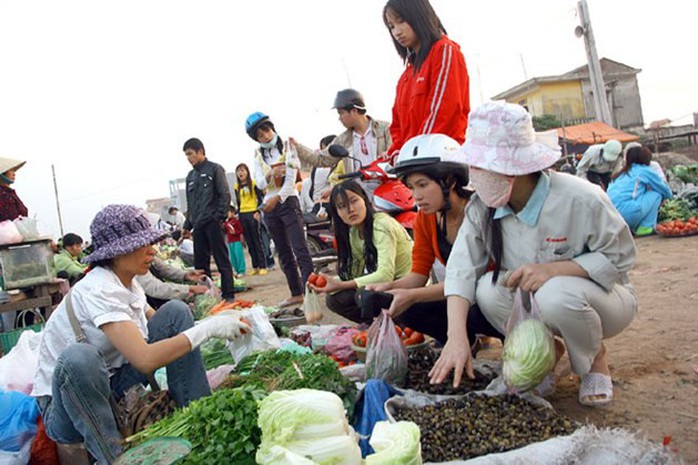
x=108, y=92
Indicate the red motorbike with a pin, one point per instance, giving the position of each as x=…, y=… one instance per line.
x=391, y=196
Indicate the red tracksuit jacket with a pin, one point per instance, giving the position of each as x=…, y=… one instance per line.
x=435, y=100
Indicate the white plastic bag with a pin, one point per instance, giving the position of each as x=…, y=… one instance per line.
x=18, y=367
x=311, y=306
x=16, y=458
x=9, y=234
x=27, y=228
x=263, y=336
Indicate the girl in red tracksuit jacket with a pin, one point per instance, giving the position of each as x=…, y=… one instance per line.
x=433, y=92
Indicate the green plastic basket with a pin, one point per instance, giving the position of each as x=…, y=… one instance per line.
x=8, y=339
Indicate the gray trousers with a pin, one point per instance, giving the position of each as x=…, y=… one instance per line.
x=577, y=309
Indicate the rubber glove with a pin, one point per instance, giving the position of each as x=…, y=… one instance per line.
x=224, y=326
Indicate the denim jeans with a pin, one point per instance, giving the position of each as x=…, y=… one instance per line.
x=79, y=409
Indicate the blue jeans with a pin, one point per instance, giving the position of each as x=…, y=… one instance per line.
x=79, y=409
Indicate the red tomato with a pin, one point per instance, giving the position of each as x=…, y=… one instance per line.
x=312, y=279
x=359, y=339
x=408, y=331
x=321, y=281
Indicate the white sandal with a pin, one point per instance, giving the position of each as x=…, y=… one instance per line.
x=595, y=384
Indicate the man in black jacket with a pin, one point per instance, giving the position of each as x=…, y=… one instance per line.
x=208, y=199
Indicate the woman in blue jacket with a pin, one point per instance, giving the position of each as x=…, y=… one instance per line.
x=637, y=192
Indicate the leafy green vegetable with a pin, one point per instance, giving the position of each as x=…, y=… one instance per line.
x=686, y=173
x=203, y=303
x=395, y=444
x=215, y=353
x=222, y=428
x=528, y=355
x=675, y=209
x=309, y=423
x=277, y=370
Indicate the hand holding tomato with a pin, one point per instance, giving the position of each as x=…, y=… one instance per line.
x=325, y=284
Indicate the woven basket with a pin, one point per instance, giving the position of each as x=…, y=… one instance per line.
x=8, y=339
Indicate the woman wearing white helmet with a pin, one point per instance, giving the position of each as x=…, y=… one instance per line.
x=428, y=166
x=550, y=234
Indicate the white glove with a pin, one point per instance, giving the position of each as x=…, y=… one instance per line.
x=224, y=326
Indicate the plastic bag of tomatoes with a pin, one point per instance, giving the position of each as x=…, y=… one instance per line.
x=678, y=228
x=386, y=355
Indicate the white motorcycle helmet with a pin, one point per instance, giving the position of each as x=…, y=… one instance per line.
x=425, y=150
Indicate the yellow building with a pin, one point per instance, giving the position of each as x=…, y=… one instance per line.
x=569, y=96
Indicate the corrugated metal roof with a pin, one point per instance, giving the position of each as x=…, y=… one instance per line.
x=595, y=132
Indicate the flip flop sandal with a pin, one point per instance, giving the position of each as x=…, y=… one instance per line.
x=595, y=384
x=290, y=303
x=546, y=387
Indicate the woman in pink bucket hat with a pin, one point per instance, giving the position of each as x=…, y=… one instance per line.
x=104, y=338
x=549, y=233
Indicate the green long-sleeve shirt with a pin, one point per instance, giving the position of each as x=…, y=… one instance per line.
x=394, y=247
x=63, y=261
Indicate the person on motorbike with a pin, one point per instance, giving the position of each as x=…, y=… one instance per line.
x=372, y=247
x=601, y=162
x=366, y=139
x=549, y=234
x=276, y=171
x=437, y=178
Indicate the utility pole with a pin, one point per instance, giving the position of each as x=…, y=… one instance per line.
x=58, y=205
x=597, y=85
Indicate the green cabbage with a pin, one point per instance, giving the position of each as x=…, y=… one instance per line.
x=395, y=444
x=528, y=355
x=305, y=423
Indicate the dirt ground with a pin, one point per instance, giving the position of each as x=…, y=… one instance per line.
x=654, y=362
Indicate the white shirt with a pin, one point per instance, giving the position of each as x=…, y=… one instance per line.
x=370, y=145
x=99, y=298
x=263, y=166
x=568, y=219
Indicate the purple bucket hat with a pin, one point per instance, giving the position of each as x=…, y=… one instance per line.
x=119, y=230
x=501, y=139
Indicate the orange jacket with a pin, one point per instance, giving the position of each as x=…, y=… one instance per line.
x=436, y=99
x=426, y=244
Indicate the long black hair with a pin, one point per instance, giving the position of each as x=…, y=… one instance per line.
x=341, y=230
x=635, y=156
x=422, y=18
x=248, y=182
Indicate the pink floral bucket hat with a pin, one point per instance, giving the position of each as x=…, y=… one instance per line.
x=119, y=230
x=501, y=139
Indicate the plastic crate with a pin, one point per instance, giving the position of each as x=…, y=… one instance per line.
x=8, y=339
x=27, y=263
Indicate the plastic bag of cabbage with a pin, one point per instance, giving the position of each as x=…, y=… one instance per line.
x=529, y=348
x=395, y=444
x=305, y=427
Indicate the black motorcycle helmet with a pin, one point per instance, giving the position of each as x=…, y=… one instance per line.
x=349, y=98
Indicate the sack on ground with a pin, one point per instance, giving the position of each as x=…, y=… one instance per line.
x=386, y=355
